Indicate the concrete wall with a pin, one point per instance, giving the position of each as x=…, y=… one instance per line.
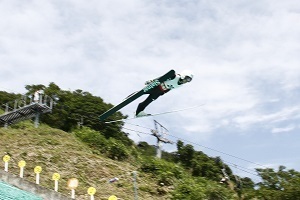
x=38, y=190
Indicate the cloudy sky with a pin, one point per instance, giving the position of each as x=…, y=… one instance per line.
x=244, y=55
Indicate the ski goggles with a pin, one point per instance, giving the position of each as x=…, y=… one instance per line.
x=187, y=79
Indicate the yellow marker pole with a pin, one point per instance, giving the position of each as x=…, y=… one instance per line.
x=22, y=164
x=56, y=177
x=6, y=158
x=112, y=197
x=91, y=191
x=37, y=171
x=73, y=184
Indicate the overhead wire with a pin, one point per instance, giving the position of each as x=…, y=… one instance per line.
x=241, y=168
x=246, y=170
x=221, y=152
x=212, y=149
x=190, y=142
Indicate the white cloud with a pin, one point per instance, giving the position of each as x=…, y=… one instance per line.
x=283, y=129
x=245, y=56
x=245, y=121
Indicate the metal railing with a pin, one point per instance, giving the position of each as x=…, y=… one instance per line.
x=26, y=108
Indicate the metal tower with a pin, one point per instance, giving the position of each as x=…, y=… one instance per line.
x=159, y=134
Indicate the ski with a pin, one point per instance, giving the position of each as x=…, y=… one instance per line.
x=136, y=95
x=151, y=115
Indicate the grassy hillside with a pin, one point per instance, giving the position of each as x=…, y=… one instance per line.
x=59, y=152
x=96, y=153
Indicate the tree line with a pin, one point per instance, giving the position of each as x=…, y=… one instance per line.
x=189, y=170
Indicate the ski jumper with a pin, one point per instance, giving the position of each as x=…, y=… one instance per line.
x=160, y=90
x=146, y=90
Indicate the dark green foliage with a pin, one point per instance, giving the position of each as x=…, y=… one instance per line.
x=247, y=183
x=283, y=184
x=188, y=190
x=192, y=174
x=217, y=192
x=93, y=138
x=149, y=165
x=79, y=108
x=185, y=153
x=70, y=109
x=171, y=157
x=117, y=150
x=166, y=171
x=146, y=149
x=199, y=189
x=111, y=147
x=33, y=88
x=198, y=162
x=204, y=166
x=8, y=99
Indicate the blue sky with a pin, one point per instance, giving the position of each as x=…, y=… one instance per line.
x=244, y=54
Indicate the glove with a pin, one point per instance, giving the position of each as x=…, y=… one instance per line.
x=148, y=82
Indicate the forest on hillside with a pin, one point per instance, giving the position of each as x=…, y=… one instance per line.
x=192, y=174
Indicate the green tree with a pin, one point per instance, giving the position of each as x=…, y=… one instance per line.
x=93, y=138
x=8, y=99
x=199, y=189
x=77, y=108
x=281, y=184
x=146, y=149
x=117, y=150
x=185, y=153
x=204, y=166
x=247, y=183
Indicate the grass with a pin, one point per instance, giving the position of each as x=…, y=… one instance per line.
x=59, y=152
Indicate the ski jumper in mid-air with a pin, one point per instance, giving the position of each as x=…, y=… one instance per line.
x=177, y=80
x=154, y=89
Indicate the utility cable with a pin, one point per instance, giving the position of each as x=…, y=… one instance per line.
x=227, y=154
x=230, y=164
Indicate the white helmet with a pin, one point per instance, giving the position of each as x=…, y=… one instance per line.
x=186, y=73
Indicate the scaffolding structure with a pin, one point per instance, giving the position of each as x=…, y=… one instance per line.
x=26, y=108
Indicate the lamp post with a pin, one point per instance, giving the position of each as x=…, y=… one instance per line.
x=73, y=184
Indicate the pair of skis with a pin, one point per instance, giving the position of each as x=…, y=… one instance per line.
x=134, y=96
x=151, y=115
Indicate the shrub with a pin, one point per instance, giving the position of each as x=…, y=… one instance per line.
x=93, y=138
x=165, y=171
x=117, y=150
